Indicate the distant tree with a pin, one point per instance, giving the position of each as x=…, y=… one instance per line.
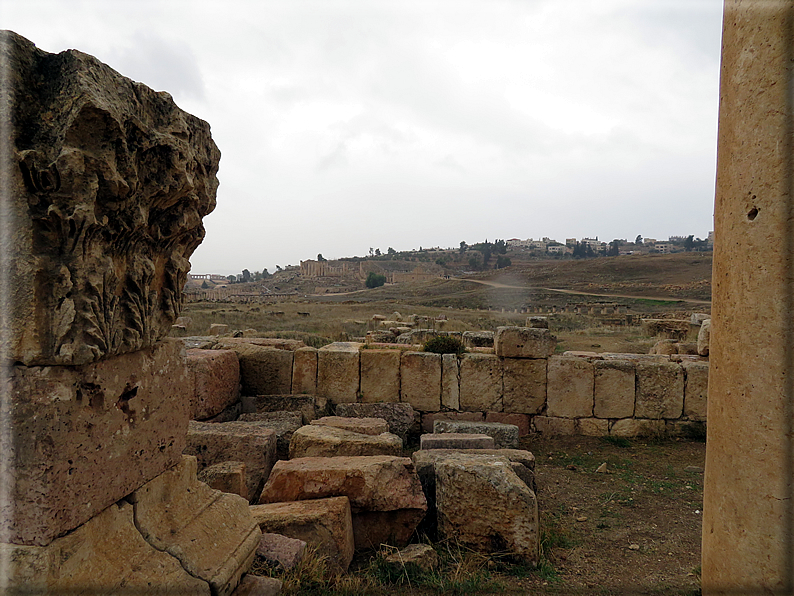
x=279, y=268
x=638, y=239
x=463, y=247
x=377, y=252
x=231, y=278
x=246, y=275
x=205, y=285
x=371, y=251
x=320, y=257
x=375, y=280
x=265, y=274
x=476, y=260
x=391, y=251
x=689, y=243
x=502, y=262
x=614, y=248
x=500, y=247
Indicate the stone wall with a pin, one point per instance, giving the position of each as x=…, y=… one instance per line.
x=519, y=380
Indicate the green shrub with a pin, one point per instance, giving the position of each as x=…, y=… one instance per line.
x=375, y=280
x=444, y=344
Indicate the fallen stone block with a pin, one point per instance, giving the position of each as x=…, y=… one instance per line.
x=256, y=585
x=399, y=417
x=456, y=441
x=278, y=549
x=218, y=329
x=482, y=503
x=704, y=336
x=570, y=388
x=252, y=443
x=505, y=436
x=338, y=372
x=524, y=385
x=215, y=379
x=522, y=462
x=481, y=383
x=83, y=437
x=614, y=388
x=264, y=370
x=660, y=390
x=364, y=426
x=106, y=555
x=324, y=524
x=211, y=533
x=229, y=414
x=385, y=493
x=304, y=371
x=524, y=342
x=429, y=418
x=380, y=376
x=420, y=380
x=592, y=427
x=310, y=406
x=227, y=477
x=284, y=424
x=289, y=345
x=328, y=441
x=478, y=339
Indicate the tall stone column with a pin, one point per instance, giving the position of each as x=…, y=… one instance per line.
x=747, y=524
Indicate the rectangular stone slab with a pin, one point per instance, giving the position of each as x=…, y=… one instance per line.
x=84, y=437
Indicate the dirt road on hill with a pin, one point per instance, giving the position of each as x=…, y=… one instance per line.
x=580, y=293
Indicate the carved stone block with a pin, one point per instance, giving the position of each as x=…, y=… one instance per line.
x=108, y=182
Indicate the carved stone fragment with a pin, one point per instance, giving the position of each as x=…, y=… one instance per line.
x=108, y=182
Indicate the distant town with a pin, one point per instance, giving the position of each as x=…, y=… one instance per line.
x=377, y=268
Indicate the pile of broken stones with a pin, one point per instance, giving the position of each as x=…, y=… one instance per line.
x=336, y=478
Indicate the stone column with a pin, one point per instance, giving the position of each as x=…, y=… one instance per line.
x=747, y=538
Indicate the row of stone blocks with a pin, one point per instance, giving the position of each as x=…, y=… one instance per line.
x=607, y=386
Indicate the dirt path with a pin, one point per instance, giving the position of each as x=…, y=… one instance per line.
x=580, y=293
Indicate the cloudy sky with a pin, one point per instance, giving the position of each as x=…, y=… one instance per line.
x=346, y=125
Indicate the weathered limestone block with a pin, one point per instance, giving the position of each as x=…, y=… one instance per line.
x=252, y=443
x=481, y=383
x=696, y=389
x=522, y=462
x=304, y=371
x=524, y=385
x=380, y=376
x=429, y=418
x=505, y=436
x=478, y=339
x=364, y=426
x=218, y=329
x=227, y=477
x=660, y=390
x=414, y=557
x=277, y=549
x=399, y=417
x=538, y=322
x=263, y=370
x=107, y=182
x=450, y=381
x=309, y=406
x=452, y=440
x=420, y=380
x=570, y=388
x=385, y=493
x=614, y=389
x=215, y=378
x=211, y=533
x=81, y=438
x=328, y=441
x=524, y=342
x=522, y=421
x=105, y=555
x=549, y=425
x=284, y=424
x=704, y=337
x=290, y=345
x=593, y=427
x=482, y=503
x=326, y=524
x=636, y=427
x=338, y=372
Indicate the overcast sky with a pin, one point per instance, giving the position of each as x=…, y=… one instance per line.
x=345, y=125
